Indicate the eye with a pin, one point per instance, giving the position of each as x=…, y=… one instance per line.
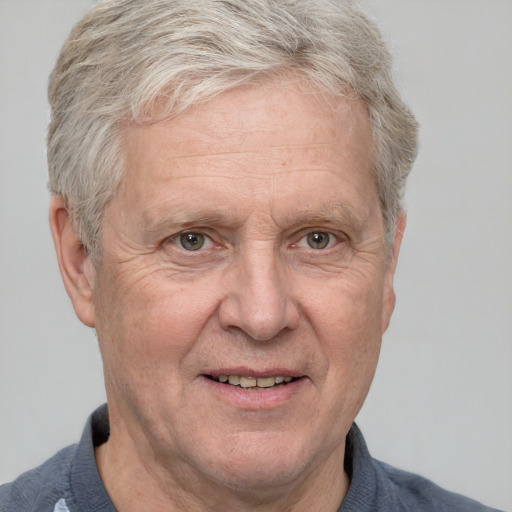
x=318, y=240
x=192, y=241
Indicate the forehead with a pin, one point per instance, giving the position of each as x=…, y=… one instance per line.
x=261, y=109
x=273, y=140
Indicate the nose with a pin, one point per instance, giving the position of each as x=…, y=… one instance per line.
x=259, y=300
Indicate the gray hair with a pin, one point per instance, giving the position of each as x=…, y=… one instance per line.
x=125, y=57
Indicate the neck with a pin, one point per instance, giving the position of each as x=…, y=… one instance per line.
x=135, y=482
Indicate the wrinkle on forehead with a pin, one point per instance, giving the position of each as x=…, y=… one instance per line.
x=244, y=177
x=262, y=162
x=264, y=150
x=205, y=128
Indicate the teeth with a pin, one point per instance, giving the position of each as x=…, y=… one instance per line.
x=248, y=382
x=266, y=382
x=252, y=382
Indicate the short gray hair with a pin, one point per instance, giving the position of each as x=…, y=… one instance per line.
x=127, y=56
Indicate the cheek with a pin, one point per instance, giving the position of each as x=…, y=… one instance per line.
x=147, y=347
x=149, y=327
x=347, y=320
x=348, y=308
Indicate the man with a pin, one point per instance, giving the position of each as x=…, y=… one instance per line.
x=227, y=181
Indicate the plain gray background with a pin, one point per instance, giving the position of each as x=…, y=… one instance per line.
x=441, y=403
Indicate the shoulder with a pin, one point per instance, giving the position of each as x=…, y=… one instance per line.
x=413, y=492
x=377, y=486
x=69, y=481
x=40, y=488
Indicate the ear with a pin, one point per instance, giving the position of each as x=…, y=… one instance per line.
x=389, y=291
x=75, y=265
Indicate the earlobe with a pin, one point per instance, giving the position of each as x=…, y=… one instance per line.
x=75, y=265
x=389, y=292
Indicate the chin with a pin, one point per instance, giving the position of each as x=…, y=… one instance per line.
x=264, y=464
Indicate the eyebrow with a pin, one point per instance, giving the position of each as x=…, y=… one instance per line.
x=332, y=214
x=184, y=218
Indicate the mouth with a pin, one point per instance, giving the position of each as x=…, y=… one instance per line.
x=251, y=383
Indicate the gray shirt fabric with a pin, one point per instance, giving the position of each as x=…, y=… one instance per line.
x=70, y=482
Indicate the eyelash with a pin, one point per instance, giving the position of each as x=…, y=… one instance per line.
x=178, y=240
x=329, y=243
x=316, y=238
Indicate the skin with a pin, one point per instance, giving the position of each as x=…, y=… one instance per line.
x=255, y=170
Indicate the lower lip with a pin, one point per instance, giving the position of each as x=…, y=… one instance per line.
x=255, y=399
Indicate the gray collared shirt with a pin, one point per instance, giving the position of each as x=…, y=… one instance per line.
x=70, y=482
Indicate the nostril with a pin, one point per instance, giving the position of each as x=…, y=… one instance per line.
x=258, y=324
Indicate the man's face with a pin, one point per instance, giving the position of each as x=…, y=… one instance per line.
x=245, y=242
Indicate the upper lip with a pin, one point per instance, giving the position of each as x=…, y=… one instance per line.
x=244, y=371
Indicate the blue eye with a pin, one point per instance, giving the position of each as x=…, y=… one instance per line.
x=192, y=241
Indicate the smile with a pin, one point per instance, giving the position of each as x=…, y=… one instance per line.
x=253, y=383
